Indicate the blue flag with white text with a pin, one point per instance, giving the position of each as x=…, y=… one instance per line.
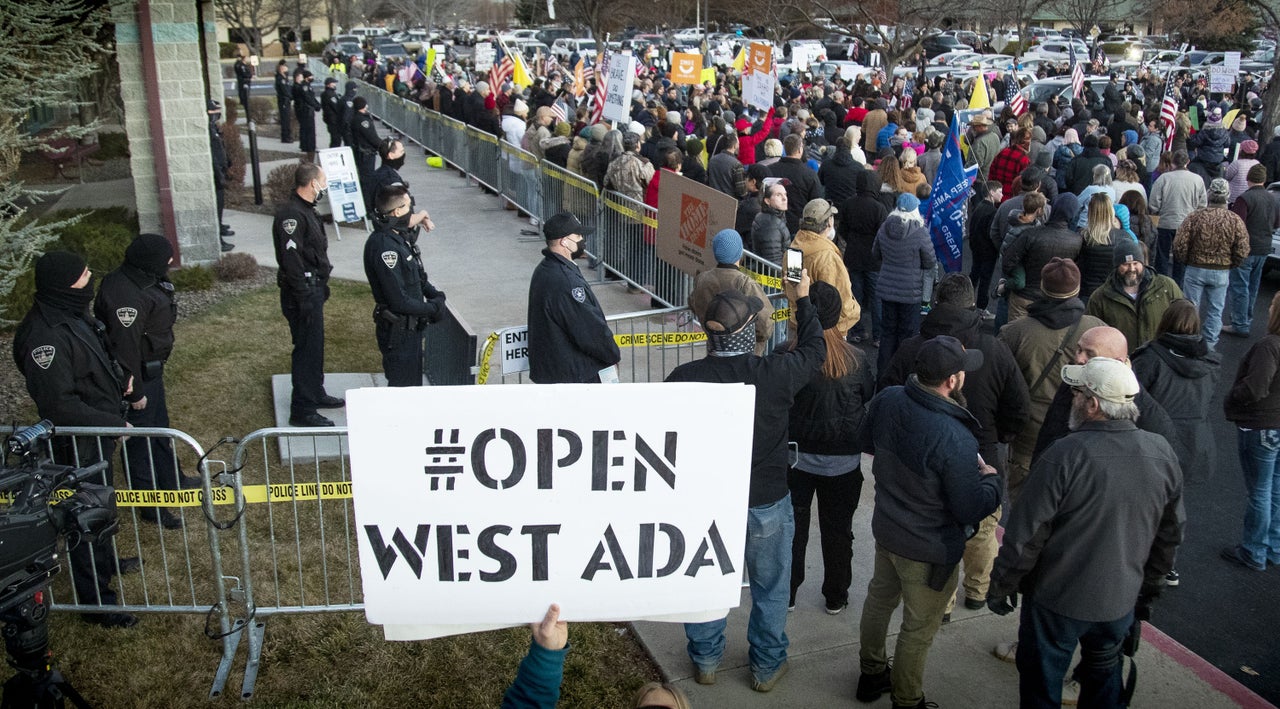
x=947, y=207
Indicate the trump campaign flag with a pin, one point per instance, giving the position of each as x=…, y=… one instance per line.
x=945, y=213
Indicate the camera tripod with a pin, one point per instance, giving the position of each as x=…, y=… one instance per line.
x=38, y=684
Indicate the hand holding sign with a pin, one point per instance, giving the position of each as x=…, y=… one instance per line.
x=552, y=633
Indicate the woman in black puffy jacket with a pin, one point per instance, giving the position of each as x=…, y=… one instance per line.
x=824, y=420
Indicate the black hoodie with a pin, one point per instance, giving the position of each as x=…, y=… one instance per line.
x=860, y=218
x=839, y=178
x=996, y=394
x=1182, y=374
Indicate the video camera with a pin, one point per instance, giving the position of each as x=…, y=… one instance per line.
x=49, y=502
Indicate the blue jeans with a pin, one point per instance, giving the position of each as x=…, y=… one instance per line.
x=769, y=531
x=1261, y=466
x=1046, y=641
x=901, y=322
x=863, y=284
x=1207, y=288
x=1244, y=292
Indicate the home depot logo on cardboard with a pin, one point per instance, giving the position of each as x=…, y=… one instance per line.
x=693, y=220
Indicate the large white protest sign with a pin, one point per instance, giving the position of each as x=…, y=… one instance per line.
x=345, y=198
x=617, y=93
x=757, y=89
x=484, y=56
x=480, y=506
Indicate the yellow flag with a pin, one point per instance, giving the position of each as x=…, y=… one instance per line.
x=740, y=60
x=579, y=84
x=709, y=74
x=979, y=99
x=520, y=73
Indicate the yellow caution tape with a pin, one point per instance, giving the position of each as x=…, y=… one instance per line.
x=484, y=358
x=781, y=314
x=767, y=281
x=573, y=181
x=280, y=492
x=630, y=213
x=657, y=339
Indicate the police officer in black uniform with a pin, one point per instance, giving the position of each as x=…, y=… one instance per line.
x=136, y=303
x=305, y=105
x=302, y=253
x=367, y=143
x=284, y=101
x=392, y=153
x=244, y=76
x=348, y=113
x=331, y=107
x=59, y=349
x=406, y=300
x=221, y=165
x=569, y=340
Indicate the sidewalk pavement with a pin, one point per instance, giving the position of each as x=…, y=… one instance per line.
x=476, y=254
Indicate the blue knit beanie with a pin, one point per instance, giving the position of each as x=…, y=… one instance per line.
x=727, y=246
x=907, y=202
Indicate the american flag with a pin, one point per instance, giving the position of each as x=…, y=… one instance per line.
x=602, y=81
x=1077, y=73
x=501, y=70
x=1169, y=109
x=558, y=110
x=908, y=89
x=1013, y=97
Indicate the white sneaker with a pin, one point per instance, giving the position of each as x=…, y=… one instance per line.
x=1007, y=651
x=1070, y=692
x=533, y=221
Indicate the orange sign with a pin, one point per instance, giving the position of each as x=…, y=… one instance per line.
x=760, y=58
x=693, y=220
x=686, y=68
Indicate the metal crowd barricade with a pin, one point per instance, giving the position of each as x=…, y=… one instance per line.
x=483, y=157
x=452, y=142
x=180, y=570
x=518, y=176
x=564, y=191
x=620, y=236
x=297, y=528
x=449, y=348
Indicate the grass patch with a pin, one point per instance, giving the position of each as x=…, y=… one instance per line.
x=218, y=385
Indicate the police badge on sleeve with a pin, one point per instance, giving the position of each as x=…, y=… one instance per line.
x=126, y=316
x=43, y=356
x=579, y=294
x=289, y=226
x=390, y=258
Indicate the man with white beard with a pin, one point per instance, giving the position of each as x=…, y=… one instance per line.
x=1090, y=540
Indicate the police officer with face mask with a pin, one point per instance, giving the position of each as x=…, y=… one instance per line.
x=406, y=300
x=136, y=303
x=60, y=349
x=305, y=105
x=302, y=252
x=392, y=153
x=331, y=105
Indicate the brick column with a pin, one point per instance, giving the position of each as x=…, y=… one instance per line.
x=183, y=123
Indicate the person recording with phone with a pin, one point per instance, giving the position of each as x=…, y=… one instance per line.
x=406, y=300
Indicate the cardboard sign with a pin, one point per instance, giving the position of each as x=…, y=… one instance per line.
x=689, y=216
x=686, y=68
x=757, y=89
x=484, y=56
x=759, y=58
x=1221, y=79
x=480, y=506
x=620, y=83
x=345, y=199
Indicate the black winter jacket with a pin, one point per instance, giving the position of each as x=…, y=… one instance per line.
x=1080, y=170
x=777, y=378
x=804, y=187
x=1254, y=399
x=1181, y=373
x=138, y=310
x=1034, y=248
x=839, y=178
x=569, y=339
x=860, y=218
x=69, y=374
x=827, y=412
x=929, y=492
x=996, y=394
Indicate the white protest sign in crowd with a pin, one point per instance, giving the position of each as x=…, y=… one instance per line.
x=477, y=507
x=617, y=94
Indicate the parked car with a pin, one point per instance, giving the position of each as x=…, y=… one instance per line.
x=689, y=34
x=1059, y=50
x=563, y=49
x=548, y=35
x=938, y=44
x=1046, y=90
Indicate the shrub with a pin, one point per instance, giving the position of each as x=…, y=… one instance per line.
x=100, y=236
x=192, y=278
x=236, y=267
x=114, y=145
x=313, y=48
x=228, y=50
x=280, y=183
x=262, y=110
x=235, y=152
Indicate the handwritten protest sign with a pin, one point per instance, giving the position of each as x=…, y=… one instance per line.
x=617, y=95
x=479, y=506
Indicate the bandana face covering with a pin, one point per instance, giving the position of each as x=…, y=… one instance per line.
x=738, y=343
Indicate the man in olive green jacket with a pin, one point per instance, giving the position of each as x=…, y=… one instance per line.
x=1133, y=299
